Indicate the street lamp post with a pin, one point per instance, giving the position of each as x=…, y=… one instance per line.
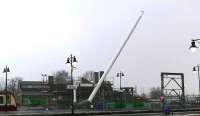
x=44, y=78
x=196, y=68
x=71, y=60
x=120, y=75
x=193, y=48
x=6, y=70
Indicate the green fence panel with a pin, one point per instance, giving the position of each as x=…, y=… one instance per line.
x=138, y=105
x=119, y=105
x=35, y=102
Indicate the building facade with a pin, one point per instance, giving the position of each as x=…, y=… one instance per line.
x=55, y=94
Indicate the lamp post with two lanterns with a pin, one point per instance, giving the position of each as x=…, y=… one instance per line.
x=71, y=60
x=6, y=70
x=120, y=75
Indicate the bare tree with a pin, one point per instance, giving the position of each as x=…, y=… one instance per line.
x=61, y=77
x=13, y=84
x=143, y=95
x=155, y=92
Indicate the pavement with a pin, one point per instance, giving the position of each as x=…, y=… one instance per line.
x=59, y=112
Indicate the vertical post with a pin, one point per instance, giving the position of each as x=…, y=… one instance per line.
x=121, y=97
x=120, y=76
x=198, y=77
x=162, y=92
x=72, y=101
x=6, y=89
x=183, y=91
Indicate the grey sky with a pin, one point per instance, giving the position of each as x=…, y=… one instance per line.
x=37, y=36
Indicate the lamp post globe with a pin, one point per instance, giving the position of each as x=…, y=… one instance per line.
x=193, y=49
x=193, y=46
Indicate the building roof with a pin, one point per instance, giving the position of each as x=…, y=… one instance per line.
x=30, y=82
x=36, y=93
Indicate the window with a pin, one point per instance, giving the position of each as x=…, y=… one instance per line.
x=1, y=99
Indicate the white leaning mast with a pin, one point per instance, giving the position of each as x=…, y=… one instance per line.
x=113, y=60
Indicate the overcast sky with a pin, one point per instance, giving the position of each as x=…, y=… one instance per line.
x=36, y=36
